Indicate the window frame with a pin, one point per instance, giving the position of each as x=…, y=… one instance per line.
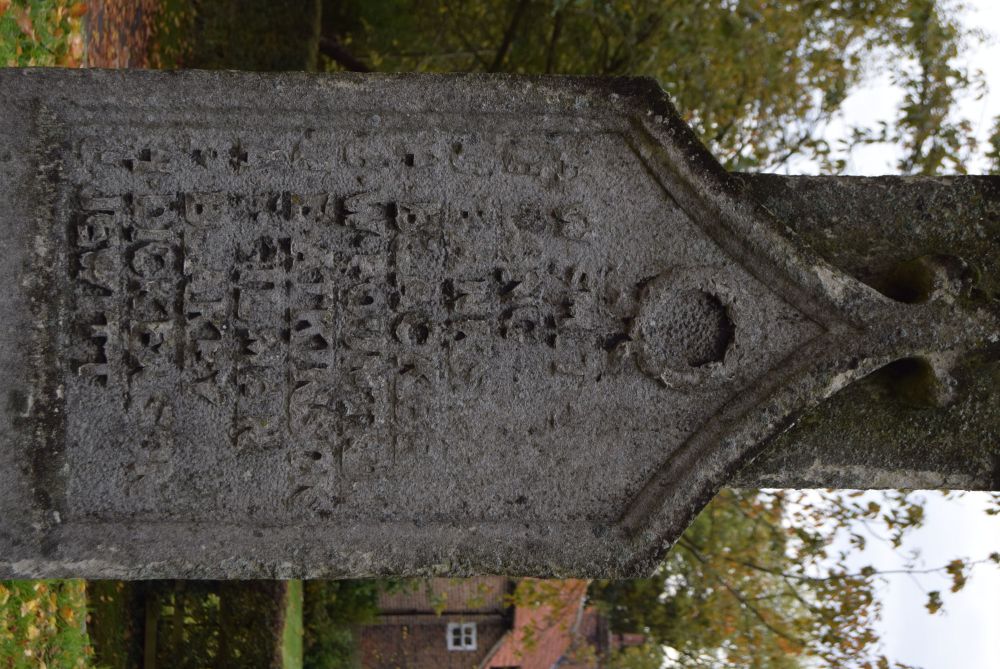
x=466, y=636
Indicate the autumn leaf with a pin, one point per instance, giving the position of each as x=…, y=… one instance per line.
x=934, y=602
x=956, y=568
x=28, y=607
x=76, y=46
x=78, y=10
x=22, y=16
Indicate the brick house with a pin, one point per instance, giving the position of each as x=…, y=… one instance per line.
x=471, y=624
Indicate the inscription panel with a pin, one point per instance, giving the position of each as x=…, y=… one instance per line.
x=308, y=325
x=288, y=325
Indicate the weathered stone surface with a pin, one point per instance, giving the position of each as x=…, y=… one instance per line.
x=875, y=433
x=272, y=325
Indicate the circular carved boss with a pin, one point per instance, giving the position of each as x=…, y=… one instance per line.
x=686, y=327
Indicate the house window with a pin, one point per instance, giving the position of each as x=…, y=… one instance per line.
x=461, y=636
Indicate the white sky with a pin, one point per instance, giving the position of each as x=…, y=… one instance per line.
x=967, y=634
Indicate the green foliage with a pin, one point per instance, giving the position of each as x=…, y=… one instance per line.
x=197, y=623
x=933, y=142
x=331, y=611
x=258, y=35
x=928, y=43
x=188, y=623
x=42, y=624
x=115, y=623
x=993, y=152
x=758, y=80
x=647, y=656
x=252, y=619
x=173, y=40
x=245, y=34
x=41, y=33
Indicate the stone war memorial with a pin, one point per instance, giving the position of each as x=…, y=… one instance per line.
x=320, y=326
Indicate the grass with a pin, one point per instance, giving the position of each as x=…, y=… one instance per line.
x=41, y=33
x=43, y=624
x=291, y=636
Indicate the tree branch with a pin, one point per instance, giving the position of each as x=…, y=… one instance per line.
x=738, y=595
x=335, y=51
x=822, y=579
x=508, y=36
x=460, y=34
x=550, y=51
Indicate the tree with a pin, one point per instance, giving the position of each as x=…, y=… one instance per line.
x=762, y=579
x=928, y=43
x=331, y=612
x=758, y=80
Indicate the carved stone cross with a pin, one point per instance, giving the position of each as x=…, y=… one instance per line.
x=292, y=325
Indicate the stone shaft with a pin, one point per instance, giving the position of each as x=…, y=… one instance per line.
x=875, y=434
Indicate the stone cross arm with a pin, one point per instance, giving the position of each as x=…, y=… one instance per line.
x=319, y=326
